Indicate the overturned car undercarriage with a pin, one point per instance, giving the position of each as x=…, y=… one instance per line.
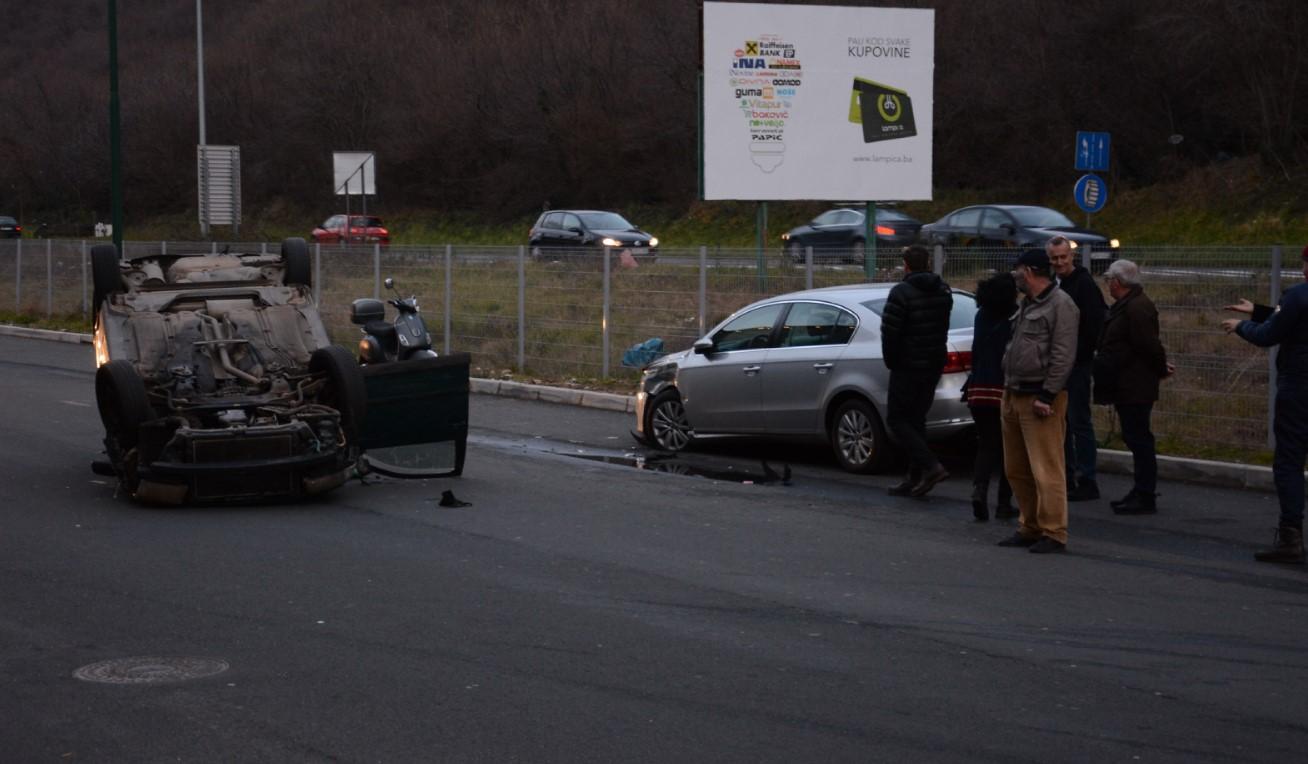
x=217, y=380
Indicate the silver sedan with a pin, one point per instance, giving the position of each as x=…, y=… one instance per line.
x=804, y=364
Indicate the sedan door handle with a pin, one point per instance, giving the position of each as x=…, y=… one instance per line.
x=823, y=365
x=751, y=370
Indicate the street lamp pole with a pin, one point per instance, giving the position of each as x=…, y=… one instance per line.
x=199, y=74
x=115, y=133
x=199, y=63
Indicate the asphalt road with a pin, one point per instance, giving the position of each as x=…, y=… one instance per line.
x=584, y=610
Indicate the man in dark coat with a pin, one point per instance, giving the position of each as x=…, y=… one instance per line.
x=1286, y=326
x=1079, y=452
x=1130, y=362
x=914, y=333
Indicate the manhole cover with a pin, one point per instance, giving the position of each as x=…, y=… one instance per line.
x=150, y=670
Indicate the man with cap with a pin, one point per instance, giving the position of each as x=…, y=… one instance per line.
x=1033, y=410
x=1286, y=326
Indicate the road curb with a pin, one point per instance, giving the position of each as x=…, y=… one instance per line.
x=1202, y=471
x=548, y=394
x=51, y=335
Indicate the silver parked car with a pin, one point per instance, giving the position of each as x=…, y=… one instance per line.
x=799, y=364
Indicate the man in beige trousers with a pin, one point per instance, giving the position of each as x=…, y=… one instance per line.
x=1033, y=411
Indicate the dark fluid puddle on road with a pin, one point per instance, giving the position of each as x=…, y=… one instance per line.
x=764, y=475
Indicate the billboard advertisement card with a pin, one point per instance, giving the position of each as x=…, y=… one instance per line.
x=817, y=102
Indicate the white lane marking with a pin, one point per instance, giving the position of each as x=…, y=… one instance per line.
x=77, y=403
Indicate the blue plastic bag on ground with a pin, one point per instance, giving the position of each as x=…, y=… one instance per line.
x=642, y=353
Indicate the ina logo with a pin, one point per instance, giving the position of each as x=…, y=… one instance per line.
x=888, y=107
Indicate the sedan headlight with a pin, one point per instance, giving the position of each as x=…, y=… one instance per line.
x=608, y=242
x=785, y=237
x=1074, y=244
x=653, y=242
x=1114, y=243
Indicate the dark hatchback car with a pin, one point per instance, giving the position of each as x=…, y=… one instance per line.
x=559, y=232
x=9, y=228
x=842, y=234
x=1017, y=226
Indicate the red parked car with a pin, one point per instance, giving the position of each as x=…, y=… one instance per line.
x=364, y=229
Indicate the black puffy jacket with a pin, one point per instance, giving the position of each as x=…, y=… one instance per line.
x=1081, y=287
x=915, y=323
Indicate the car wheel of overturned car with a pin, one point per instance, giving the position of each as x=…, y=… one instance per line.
x=124, y=406
x=295, y=256
x=666, y=422
x=106, y=276
x=345, y=389
x=857, y=437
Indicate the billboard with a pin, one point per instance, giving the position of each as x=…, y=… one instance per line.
x=817, y=102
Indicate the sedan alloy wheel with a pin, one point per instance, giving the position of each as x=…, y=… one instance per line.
x=668, y=426
x=857, y=437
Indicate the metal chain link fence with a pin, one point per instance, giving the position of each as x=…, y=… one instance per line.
x=573, y=315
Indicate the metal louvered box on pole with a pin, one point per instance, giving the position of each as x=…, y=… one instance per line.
x=219, y=176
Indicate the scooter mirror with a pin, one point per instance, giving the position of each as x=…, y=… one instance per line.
x=389, y=282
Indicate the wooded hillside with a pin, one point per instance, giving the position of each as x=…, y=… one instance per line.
x=496, y=106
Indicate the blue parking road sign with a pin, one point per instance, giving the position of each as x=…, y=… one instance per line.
x=1092, y=150
x=1091, y=193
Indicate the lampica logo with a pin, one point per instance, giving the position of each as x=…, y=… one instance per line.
x=883, y=111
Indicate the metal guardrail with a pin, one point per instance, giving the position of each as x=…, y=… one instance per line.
x=572, y=316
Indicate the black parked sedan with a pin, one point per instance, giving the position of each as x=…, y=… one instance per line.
x=563, y=232
x=842, y=234
x=1016, y=226
x=9, y=228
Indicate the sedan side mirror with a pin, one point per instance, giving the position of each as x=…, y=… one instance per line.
x=703, y=346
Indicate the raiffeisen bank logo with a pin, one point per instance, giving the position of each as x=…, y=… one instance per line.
x=884, y=112
x=765, y=78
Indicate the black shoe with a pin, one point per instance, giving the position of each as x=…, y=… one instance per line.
x=929, y=480
x=1018, y=539
x=1006, y=512
x=1047, y=545
x=1115, y=503
x=980, y=512
x=905, y=486
x=1137, y=503
x=1287, y=546
x=1086, y=490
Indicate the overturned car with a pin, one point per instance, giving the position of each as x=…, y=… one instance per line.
x=217, y=380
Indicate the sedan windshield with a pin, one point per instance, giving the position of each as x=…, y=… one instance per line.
x=605, y=221
x=1040, y=217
